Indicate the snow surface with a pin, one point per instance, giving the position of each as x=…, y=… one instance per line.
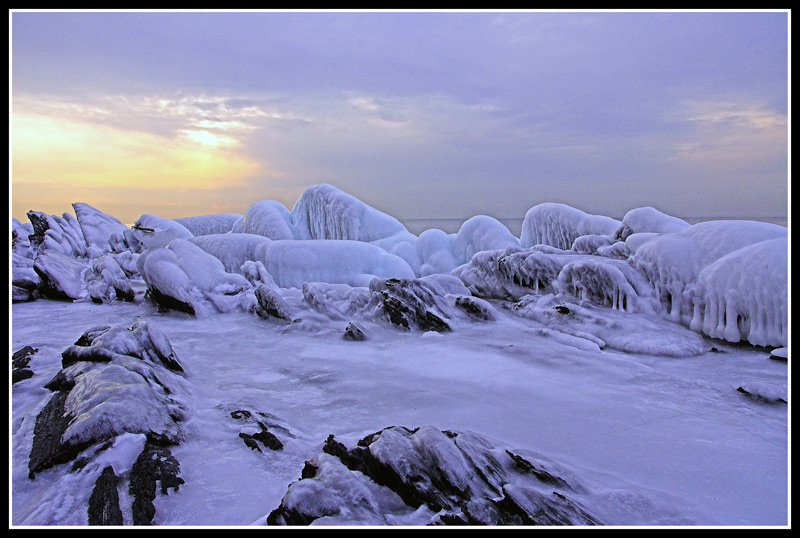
x=621, y=352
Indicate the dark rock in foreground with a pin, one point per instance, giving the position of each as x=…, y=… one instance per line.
x=432, y=477
x=104, y=500
x=354, y=333
x=155, y=465
x=19, y=364
x=407, y=303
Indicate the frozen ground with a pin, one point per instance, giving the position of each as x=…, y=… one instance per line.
x=654, y=440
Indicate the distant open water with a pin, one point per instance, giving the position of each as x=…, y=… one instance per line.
x=514, y=225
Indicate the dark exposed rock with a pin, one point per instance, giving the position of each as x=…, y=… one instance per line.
x=19, y=364
x=544, y=476
x=267, y=438
x=459, y=478
x=756, y=396
x=169, y=302
x=407, y=303
x=261, y=421
x=104, y=500
x=47, y=448
x=353, y=333
x=271, y=304
x=562, y=309
x=475, y=308
x=154, y=465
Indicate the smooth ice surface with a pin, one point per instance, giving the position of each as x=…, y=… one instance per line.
x=655, y=440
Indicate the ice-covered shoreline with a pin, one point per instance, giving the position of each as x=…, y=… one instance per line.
x=463, y=336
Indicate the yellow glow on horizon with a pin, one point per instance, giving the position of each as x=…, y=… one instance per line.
x=66, y=151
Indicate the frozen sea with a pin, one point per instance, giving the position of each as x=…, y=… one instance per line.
x=655, y=440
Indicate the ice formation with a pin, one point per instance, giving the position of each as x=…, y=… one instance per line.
x=649, y=219
x=704, y=276
x=559, y=225
x=219, y=223
x=743, y=295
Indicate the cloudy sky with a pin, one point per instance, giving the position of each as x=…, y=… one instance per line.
x=422, y=115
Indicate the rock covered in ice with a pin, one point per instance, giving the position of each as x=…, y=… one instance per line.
x=292, y=263
x=744, y=295
x=97, y=228
x=119, y=381
x=325, y=212
x=512, y=273
x=271, y=304
x=233, y=250
x=107, y=280
x=154, y=231
x=592, y=243
x=644, y=333
x=406, y=304
x=672, y=262
x=219, y=223
x=269, y=218
x=648, y=219
x=427, y=476
x=481, y=233
x=58, y=234
x=437, y=252
x=60, y=275
x=142, y=341
x=606, y=282
x=185, y=278
x=558, y=225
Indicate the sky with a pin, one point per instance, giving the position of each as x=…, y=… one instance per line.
x=419, y=114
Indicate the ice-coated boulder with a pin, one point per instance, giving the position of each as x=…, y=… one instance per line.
x=114, y=381
x=218, y=223
x=269, y=218
x=184, y=277
x=426, y=476
x=648, y=219
x=60, y=276
x=97, y=228
x=744, y=295
x=558, y=225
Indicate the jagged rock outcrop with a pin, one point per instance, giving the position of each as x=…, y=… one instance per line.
x=430, y=476
x=406, y=304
